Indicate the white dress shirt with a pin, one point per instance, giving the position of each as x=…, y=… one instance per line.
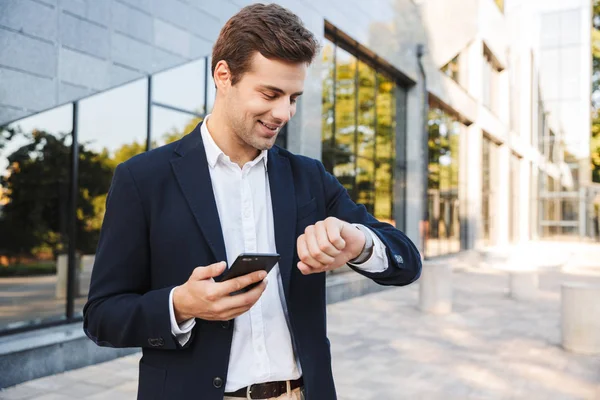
x=261, y=350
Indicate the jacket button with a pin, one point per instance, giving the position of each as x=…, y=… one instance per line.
x=161, y=342
x=225, y=324
x=217, y=382
x=151, y=342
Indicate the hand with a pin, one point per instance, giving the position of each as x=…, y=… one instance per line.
x=328, y=245
x=202, y=297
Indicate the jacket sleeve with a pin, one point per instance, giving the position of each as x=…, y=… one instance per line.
x=402, y=255
x=122, y=310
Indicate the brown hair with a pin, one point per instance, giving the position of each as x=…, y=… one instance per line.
x=272, y=30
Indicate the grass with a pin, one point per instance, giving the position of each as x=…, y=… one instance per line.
x=33, y=269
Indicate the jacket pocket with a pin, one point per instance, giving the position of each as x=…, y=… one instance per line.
x=151, y=383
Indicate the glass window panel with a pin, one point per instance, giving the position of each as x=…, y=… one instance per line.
x=111, y=129
x=383, y=191
x=181, y=87
x=485, y=189
x=386, y=117
x=570, y=209
x=111, y=119
x=444, y=138
x=432, y=236
x=366, y=111
x=328, y=95
x=444, y=222
x=169, y=126
x=453, y=204
x=344, y=171
x=364, y=183
x=345, y=103
x=34, y=194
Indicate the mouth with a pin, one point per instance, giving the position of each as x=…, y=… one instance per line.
x=272, y=127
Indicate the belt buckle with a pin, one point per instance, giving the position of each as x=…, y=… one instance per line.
x=248, y=392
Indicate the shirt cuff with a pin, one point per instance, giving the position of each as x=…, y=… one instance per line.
x=181, y=331
x=378, y=261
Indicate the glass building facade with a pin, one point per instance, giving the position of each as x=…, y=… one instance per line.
x=362, y=126
x=56, y=168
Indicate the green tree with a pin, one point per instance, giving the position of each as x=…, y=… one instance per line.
x=36, y=187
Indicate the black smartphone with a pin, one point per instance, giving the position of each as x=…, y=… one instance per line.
x=247, y=263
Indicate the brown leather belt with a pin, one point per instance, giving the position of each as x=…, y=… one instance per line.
x=266, y=390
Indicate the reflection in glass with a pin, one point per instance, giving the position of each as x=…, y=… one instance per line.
x=345, y=101
x=487, y=188
x=181, y=87
x=169, y=126
x=364, y=183
x=111, y=130
x=344, y=171
x=358, y=129
x=366, y=111
x=328, y=77
x=454, y=219
x=385, y=147
x=35, y=155
x=443, y=235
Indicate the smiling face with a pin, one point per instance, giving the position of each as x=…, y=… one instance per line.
x=262, y=100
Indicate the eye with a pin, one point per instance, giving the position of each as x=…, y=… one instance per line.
x=269, y=96
x=293, y=100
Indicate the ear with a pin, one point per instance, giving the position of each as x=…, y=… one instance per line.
x=222, y=75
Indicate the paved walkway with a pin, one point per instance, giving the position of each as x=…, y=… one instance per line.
x=490, y=347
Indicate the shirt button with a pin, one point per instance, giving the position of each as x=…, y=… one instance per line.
x=217, y=382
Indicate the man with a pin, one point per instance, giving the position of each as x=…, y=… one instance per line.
x=177, y=215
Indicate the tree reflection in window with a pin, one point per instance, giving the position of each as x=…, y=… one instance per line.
x=443, y=201
x=359, y=123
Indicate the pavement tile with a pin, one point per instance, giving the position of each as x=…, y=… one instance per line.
x=490, y=347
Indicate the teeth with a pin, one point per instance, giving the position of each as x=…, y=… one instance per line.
x=271, y=127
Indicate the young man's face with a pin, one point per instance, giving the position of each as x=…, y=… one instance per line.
x=264, y=100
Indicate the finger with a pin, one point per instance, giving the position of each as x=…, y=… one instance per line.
x=304, y=254
x=334, y=233
x=305, y=269
x=324, y=244
x=247, y=300
x=235, y=284
x=210, y=271
x=314, y=247
x=239, y=301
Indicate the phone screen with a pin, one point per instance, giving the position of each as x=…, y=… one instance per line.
x=247, y=263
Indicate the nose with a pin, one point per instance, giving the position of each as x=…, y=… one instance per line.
x=282, y=112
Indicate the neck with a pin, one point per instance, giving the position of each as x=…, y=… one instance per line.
x=228, y=141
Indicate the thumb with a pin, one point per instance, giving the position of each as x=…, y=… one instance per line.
x=208, y=272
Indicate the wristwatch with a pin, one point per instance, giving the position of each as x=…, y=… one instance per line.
x=367, y=250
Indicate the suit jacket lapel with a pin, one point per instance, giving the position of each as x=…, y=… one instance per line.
x=193, y=176
x=283, y=199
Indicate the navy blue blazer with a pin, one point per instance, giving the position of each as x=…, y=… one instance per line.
x=161, y=222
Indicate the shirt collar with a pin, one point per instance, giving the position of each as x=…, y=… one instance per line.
x=214, y=153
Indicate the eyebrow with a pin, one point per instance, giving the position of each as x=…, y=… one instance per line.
x=277, y=90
